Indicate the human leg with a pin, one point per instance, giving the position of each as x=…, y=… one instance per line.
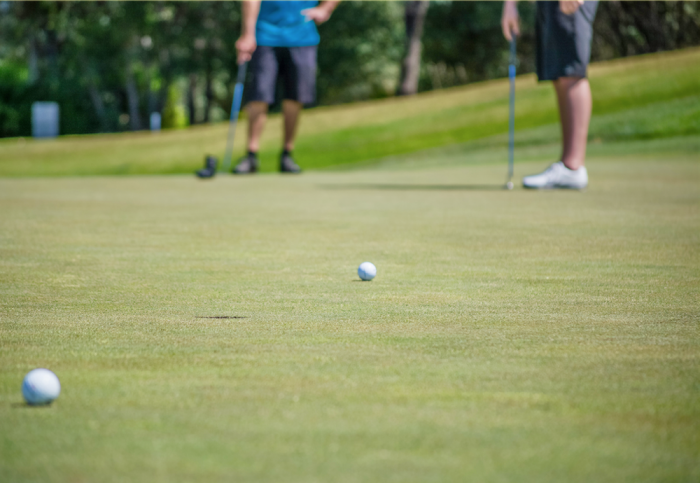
x=291, y=110
x=298, y=72
x=575, y=105
x=261, y=93
x=574, y=99
x=257, y=116
x=563, y=53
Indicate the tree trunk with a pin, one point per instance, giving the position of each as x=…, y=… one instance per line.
x=191, y=93
x=132, y=95
x=410, y=69
x=209, y=93
x=99, y=107
x=33, y=61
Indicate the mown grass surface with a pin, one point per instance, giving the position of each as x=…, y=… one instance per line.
x=508, y=336
x=641, y=97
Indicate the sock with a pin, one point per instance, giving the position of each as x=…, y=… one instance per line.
x=286, y=152
x=253, y=154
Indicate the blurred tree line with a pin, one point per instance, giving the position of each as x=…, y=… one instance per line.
x=110, y=64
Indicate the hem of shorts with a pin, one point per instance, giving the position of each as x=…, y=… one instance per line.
x=546, y=78
x=266, y=101
x=288, y=46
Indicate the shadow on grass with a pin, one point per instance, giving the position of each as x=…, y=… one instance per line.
x=24, y=405
x=223, y=317
x=415, y=187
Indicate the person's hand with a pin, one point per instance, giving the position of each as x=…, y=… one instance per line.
x=246, y=45
x=318, y=14
x=510, y=20
x=569, y=7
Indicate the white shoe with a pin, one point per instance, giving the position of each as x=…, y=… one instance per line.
x=558, y=176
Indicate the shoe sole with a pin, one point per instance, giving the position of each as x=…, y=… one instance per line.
x=552, y=188
x=252, y=171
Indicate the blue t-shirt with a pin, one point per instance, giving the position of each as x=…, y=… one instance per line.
x=281, y=24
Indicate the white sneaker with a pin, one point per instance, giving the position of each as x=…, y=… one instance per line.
x=558, y=176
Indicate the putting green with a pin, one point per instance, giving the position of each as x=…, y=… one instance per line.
x=508, y=336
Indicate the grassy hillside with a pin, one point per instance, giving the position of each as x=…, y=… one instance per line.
x=642, y=97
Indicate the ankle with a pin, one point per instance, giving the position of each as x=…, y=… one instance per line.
x=572, y=165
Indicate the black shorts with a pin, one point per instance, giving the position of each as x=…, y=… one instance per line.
x=563, y=41
x=295, y=67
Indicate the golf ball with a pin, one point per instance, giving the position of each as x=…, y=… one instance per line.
x=40, y=386
x=367, y=271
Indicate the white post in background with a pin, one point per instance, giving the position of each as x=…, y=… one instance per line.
x=45, y=117
x=155, y=121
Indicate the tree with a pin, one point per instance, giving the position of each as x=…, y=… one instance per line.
x=110, y=64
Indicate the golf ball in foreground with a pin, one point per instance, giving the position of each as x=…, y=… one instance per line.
x=40, y=386
x=367, y=271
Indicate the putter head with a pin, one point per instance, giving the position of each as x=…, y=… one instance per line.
x=209, y=170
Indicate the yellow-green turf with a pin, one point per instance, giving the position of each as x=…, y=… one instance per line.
x=650, y=96
x=508, y=336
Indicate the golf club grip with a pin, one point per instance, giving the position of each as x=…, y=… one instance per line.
x=238, y=91
x=242, y=68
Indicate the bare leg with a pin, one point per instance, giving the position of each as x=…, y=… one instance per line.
x=291, y=110
x=257, y=115
x=575, y=104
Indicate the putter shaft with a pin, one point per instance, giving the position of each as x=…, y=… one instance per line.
x=235, y=110
x=511, y=114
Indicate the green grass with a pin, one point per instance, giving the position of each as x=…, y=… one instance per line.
x=509, y=336
x=635, y=98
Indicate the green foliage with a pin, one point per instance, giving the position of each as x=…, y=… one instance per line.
x=360, y=51
x=174, y=114
x=13, y=99
x=633, y=28
x=106, y=62
x=463, y=43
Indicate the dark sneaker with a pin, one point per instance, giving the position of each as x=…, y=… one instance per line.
x=247, y=165
x=209, y=169
x=287, y=164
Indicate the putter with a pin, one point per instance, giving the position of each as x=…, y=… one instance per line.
x=235, y=110
x=511, y=107
x=211, y=162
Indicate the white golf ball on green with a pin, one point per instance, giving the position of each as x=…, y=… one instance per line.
x=367, y=271
x=40, y=386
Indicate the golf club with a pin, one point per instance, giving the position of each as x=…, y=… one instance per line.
x=235, y=110
x=511, y=120
x=210, y=162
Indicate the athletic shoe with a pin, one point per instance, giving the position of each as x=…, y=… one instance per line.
x=247, y=165
x=287, y=164
x=209, y=169
x=558, y=176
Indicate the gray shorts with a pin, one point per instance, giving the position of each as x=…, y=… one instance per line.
x=293, y=67
x=563, y=41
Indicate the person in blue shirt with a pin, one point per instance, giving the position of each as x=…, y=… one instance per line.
x=280, y=40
